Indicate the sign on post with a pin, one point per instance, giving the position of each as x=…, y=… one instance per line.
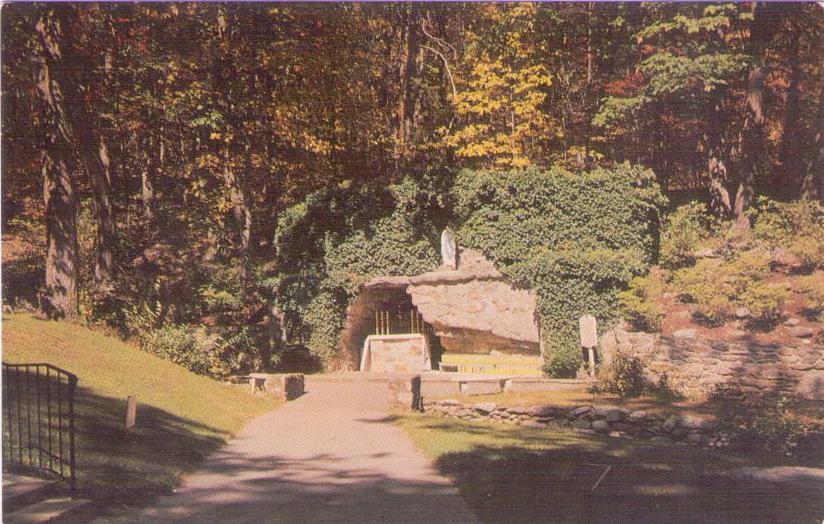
x=589, y=331
x=588, y=327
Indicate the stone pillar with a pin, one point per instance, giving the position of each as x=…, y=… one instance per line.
x=283, y=386
x=405, y=392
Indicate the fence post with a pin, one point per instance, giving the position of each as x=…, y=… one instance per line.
x=131, y=411
x=72, y=390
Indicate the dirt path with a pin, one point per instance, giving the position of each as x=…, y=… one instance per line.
x=333, y=455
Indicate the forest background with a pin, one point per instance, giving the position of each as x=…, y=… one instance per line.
x=208, y=179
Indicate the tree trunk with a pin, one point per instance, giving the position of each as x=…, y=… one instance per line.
x=276, y=330
x=410, y=52
x=753, y=132
x=812, y=187
x=719, y=202
x=242, y=213
x=95, y=156
x=789, y=154
x=60, y=297
x=93, y=152
x=146, y=190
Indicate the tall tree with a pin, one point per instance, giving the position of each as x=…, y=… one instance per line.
x=765, y=19
x=59, y=185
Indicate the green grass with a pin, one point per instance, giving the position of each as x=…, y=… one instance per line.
x=181, y=417
x=515, y=474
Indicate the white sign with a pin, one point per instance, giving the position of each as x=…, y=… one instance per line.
x=589, y=331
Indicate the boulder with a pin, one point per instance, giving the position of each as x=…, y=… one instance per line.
x=600, y=425
x=671, y=423
x=684, y=333
x=581, y=424
x=614, y=415
x=638, y=415
x=705, y=253
x=583, y=410
x=692, y=421
x=485, y=408
x=801, y=332
x=547, y=411
x=811, y=385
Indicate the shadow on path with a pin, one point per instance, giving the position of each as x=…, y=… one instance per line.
x=333, y=455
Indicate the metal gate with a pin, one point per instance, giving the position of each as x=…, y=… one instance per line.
x=38, y=418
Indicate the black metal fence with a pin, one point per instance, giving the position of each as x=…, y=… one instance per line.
x=38, y=418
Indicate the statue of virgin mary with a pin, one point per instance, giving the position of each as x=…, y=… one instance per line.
x=448, y=249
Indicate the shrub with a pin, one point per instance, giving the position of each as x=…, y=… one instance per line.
x=240, y=351
x=640, y=303
x=563, y=361
x=180, y=345
x=624, y=376
x=749, y=266
x=778, y=224
x=812, y=286
x=743, y=280
x=809, y=248
x=702, y=285
x=684, y=232
x=779, y=429
x=764, y=302
x=718, y=287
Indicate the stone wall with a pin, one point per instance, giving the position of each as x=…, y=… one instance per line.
x=613, y=421
x=395, y=354
x=695, y=366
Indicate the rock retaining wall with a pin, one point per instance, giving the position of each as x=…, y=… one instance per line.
x=607, y=420
x=696, y=366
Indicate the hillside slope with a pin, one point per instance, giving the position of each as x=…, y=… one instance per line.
x=181, y=416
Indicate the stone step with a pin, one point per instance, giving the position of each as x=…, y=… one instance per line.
x=22, y=490
x=50, y=510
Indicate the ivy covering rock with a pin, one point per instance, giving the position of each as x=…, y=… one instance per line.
x=576, y=239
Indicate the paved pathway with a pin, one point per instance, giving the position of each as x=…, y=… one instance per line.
x=333, y=455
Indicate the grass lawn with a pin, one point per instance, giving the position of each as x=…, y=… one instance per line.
x=515, y=474
x=181, y=417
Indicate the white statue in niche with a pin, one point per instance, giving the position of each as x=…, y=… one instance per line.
x=449, y=249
